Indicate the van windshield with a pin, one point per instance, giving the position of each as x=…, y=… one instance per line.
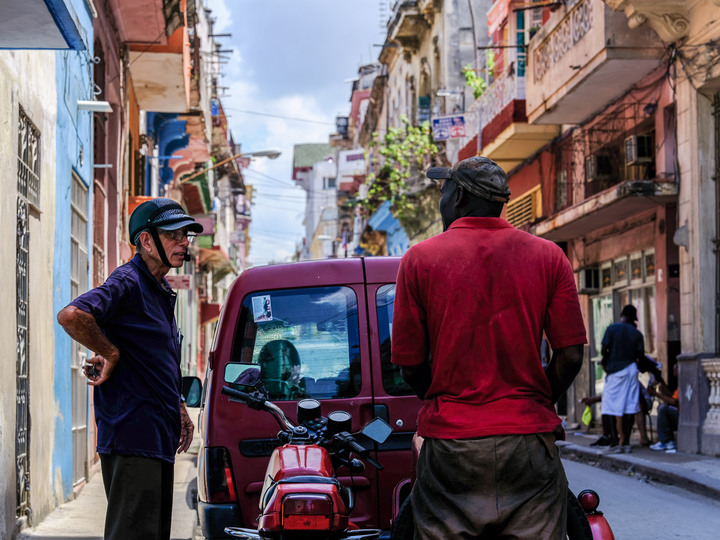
x=305, y=341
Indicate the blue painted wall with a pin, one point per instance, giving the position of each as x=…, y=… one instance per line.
x=74, y=152
x=169, y=135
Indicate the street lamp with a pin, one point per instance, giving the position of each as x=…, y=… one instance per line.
x=271, y=154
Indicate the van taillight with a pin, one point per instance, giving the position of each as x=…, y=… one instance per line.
x=218, y=476
x=306, y=512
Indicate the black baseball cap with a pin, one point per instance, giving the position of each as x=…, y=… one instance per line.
x=481, y=176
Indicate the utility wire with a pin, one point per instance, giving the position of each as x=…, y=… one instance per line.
x=280, y=116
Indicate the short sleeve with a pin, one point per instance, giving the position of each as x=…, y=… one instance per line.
x=102, y=302
x=409, y=334
x=564, y=325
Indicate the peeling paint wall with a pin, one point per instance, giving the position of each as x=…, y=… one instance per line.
x=24, y=82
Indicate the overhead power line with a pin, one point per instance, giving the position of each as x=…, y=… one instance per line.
x=281, y=116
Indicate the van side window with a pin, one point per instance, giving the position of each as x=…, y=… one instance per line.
x=392, y=380
x=306, y=342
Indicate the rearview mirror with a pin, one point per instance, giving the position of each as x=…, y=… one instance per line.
x=378, y=430
x=243, y=374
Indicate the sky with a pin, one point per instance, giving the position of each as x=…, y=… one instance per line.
x=288, y=78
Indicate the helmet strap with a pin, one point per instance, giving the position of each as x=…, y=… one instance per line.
x=158, y=245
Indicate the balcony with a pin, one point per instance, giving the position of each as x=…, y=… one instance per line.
x=583, y=58
x=507, y=137
x=146, y=21
x=161, y=74
x=406, y=24
x=43, y=24
x=608, y=207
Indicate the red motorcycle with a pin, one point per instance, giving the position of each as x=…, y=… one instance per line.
x=301, y=496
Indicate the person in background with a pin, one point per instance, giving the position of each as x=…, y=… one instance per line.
x=667, y=416
x=129, y=323
x=471, y=306
x=610, y=431
x=622, y=348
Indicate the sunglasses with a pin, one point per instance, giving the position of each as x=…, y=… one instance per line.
x=178, y=235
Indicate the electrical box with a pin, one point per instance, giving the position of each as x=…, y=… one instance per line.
x=589, y=280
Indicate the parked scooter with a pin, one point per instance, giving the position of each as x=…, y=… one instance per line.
x=301, y=496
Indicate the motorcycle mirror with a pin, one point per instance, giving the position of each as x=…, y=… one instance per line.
x=244, y=375
x=378, y=430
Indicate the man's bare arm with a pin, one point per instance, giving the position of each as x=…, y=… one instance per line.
x=83, y=328
x=563, y=368
x=418, y=378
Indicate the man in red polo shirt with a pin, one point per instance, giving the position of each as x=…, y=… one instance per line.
x=471, y=307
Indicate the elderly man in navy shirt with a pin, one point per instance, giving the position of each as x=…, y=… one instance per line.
x=129, y=323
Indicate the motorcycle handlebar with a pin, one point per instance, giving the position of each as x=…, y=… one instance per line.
x=357, y=448
x=239, y=394
x=256, y=402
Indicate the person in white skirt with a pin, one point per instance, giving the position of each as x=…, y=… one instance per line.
x=622, y=347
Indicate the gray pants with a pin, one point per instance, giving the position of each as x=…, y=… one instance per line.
x=509, y=486
x=139, y=491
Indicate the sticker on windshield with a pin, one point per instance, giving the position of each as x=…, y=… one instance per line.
x=262, y=310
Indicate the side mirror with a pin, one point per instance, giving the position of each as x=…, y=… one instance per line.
x=245, y=377
x=378, y=430
x=191, y=391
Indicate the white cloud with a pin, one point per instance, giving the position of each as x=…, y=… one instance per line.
x=222, y=15
x=289, y=62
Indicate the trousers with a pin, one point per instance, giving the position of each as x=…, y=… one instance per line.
x=504, y=486
x=667, y=423
x=139, y=492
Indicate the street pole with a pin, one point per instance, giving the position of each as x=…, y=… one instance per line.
x=271, y=155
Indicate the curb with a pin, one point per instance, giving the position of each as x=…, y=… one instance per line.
x=630, y=465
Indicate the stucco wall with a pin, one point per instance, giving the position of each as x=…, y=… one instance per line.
x=74, y=153
x=24, y=82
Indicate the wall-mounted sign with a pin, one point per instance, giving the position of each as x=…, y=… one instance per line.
x=237, y=237
x=181, y=281
x=448, y=127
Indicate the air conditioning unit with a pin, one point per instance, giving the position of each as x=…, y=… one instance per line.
x=639, y=149
x=598, y=167
x=589, y=280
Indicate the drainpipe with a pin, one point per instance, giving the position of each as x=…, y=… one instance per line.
x=475, y=45
x=716, y=178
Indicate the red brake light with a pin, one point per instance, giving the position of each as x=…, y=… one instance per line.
x=229, y=480
x=589, y=500
x=303, y=511
x=215, y=476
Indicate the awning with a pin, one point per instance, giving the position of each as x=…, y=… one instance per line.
x=217, y=260
x=196, y=195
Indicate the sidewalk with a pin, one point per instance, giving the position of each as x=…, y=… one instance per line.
x=693, y=472
x=85, y=516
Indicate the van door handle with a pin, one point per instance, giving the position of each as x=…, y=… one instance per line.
x=381, y=411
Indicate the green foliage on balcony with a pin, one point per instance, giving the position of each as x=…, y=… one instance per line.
x=473, y=78
x=406, y=151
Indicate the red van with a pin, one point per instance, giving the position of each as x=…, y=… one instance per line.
x=319, y=329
